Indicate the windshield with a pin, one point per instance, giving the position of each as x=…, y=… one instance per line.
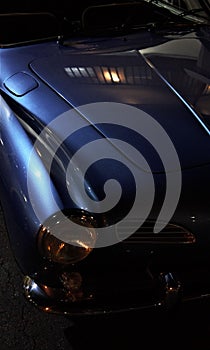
x=45, y=20
x=202, y=6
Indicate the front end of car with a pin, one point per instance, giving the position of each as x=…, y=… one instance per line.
x=57, y=244
x=105, y=194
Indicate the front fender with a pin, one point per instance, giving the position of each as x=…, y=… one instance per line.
x=22, y=222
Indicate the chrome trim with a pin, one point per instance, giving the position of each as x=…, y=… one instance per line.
x=170, y=292
x=171, y=234
x=173, y=290
x=57, y=301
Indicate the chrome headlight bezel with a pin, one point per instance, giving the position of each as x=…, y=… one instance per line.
x=58, y=244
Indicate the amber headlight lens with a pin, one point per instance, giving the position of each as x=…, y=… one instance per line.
x=67, y=240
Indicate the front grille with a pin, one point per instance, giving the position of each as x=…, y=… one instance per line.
x=170, y=234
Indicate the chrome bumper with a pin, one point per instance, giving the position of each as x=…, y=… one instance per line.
x=67, y=301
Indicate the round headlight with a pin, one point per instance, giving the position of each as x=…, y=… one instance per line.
x=67, y=239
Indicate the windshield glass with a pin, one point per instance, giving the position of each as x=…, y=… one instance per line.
x=45, y=20
x=200, y=8
x=190, y=5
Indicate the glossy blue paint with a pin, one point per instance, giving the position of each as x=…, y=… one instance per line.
x=20, y=84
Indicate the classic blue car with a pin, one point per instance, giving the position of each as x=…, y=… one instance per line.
x=105, y=153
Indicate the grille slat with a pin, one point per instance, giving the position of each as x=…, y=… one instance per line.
x=170, y=234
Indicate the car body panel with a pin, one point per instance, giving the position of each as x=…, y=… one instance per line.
x=136, y=91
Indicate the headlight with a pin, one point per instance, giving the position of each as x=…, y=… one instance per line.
x=67, y=239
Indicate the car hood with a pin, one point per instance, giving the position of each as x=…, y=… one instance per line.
x=164, y=82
